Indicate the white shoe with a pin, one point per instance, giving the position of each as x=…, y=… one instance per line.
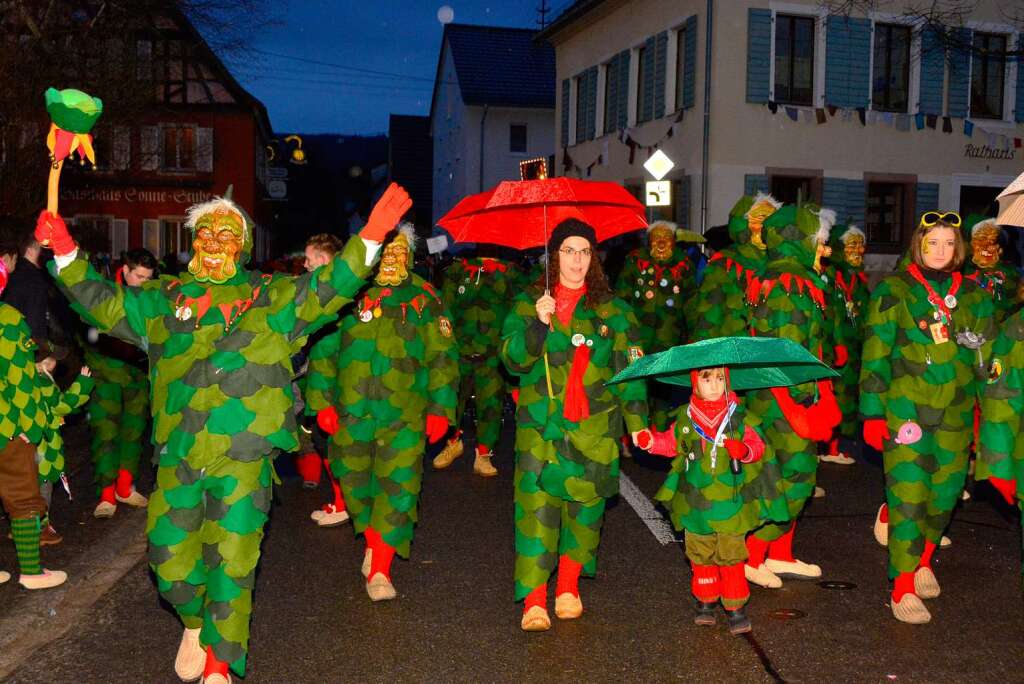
x=380, y=588
x=217, y=679
x=134, y=499
x=926, y=585
x=881, y=529
x=4, y=577
x=568, y=606
x=796, y=569
x=536, y=620
x=762, y=576
x=367, y=558
x=840, y=459
x=483, y=467
x=965, y=495
x=46, y=580
x=945, y=541
x=191, y=658
x=911, y=610
x=819, y=492
x=104, y=509
x=331, y=516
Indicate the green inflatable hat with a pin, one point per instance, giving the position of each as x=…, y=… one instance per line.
x=72, y=110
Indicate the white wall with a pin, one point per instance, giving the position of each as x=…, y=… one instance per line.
x=449, y=130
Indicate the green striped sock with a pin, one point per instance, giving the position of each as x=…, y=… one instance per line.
x=26, y=541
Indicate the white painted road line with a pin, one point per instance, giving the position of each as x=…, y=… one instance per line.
x=655, y=521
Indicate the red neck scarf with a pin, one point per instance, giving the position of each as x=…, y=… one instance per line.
x=566, y=300
x=709, y=414
x=576, y=407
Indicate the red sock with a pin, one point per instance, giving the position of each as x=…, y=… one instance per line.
x=904, y=584
x=456, y=437
x=214, y=666
x=833, y=447
x=757, y=550
x=108, y=495
x=339, y=500
x=782, y=548
x=483, y=450
x=124, y=483
x=926, y=556
x=383, y=554
x=537, y=597
x=568, y=576
x=883, y=515
x=704, y=583
x=735, y=589
x=308, y=466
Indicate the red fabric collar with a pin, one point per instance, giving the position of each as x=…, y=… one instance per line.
x=566, y=300
x=933, y=297
x=708, y=415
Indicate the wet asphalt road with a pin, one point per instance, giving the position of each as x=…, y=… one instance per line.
x=454, y=619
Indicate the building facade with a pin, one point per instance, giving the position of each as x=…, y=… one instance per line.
x=879, y=117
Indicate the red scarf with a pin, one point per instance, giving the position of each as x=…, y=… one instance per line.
x=576, y=407
x=566, y=300
x=709, y=414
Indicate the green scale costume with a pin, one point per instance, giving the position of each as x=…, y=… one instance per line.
x=478, y=292
x=723, y=308
x=1000, y=280
x=221, y=397
x=57, y=405
x=1002, y=409
x=850, y=295
x=21, y=400
x=118, y=412
x=565, y=470
x=395, y=362
x=925, y=391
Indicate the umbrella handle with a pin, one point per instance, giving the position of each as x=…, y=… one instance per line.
x=547, y=259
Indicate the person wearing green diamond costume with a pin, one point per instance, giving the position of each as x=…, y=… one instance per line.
x=56, y=405
x=732, y=276
x=396, y=370
x=986, y=268
x=220, y=340
x=929, y=333
x=118, y=412
x=791, y=304
x=657, y=281
x=478, y=291
x=563, y=347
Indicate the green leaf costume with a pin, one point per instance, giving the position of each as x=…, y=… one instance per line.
x=1001, y=452
x=221, y=398
x=317, y=385
x=21, y=396
x=566, y=470
x=1001, y=282
x=396, y=363
x=849, y=300
x=479, y=293
x=57, y=405
x=926, y=392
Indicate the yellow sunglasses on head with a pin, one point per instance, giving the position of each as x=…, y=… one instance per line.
x=950, y=218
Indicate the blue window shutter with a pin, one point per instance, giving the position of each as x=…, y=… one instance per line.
x=853, y=206
x=1018, y=113
x=591, y=103
x=646, y=106
x=833, y=196
x=754, y=183
x=847, y=59
x=682, y=200
x=759, y=53
x=611, y=95
x=927, y=199
x=933, y=71
x=624, y=86
x=690, y=65
x=661, y=57
x=565, y=112
x=960, y=74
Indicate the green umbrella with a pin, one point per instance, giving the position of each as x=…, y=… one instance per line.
x=754, y=363
x=689, y=236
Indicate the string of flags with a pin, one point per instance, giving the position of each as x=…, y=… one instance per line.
x=625, y=137
x=900, y=121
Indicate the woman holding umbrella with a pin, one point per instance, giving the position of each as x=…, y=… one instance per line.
x=564, y=345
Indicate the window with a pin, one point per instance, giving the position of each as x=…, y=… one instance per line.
x=179, y=146
x=794, y=60
x=517, y=138
x=95, y=232
x=176, y=237
x=890, y=82
x=988, y=69
x=643, y=92
x=886, y=213
x=680, y=66
x=794, y=189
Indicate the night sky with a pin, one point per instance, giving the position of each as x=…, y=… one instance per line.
x=377, y=57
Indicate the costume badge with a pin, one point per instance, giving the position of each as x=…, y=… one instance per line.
x=649, y=294
x=675, y=289
x=950, y=301
x=603, y=331
x=636, y=293
x=183, y=312
x=445, y=325
x=923, y=325
x=670, y=302
x=590, y=343
x=940, y=334
x=462, y=289
x=663, y=282
x=635, y=354
x=994, y=371
x=578, y=340
x=366, y=316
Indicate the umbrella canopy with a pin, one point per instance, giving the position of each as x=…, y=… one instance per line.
x=1011, y=204
x=522, y=214
x=754, y=363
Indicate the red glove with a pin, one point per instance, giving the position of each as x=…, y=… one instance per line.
x=327, y=419
x=515, y=396
x=643, y=439
x=437, y=427
x=737, y=449
x=52, y=232
x=1008, y=488
x=796, y=415
x=876, y=432
x=386, y=214
x=842, y=355
x=664, y=443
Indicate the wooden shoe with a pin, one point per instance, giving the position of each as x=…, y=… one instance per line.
x=762, y=576
x=911, y=610
x=568, y=606
x=45, y=580
x=881, y=529
x=945, y=541
x=134, y=499
x=367, y=557
x=217, y=678
x=926, y=585
x=380, y=588
x=819, y=492
x=332, y=517
x=838, y=459
x=536, y=620
x=451, y=451
x=104, y=510
x=482, y=466
x=191, y=658
x=796, y=569
x=4, y=577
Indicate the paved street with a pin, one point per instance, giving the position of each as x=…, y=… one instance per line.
x=454, y=619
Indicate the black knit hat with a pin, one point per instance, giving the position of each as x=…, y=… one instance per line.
x=571, y=228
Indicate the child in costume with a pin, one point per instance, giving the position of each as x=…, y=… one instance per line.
x=394, y=379
x=564, y=346
x=926, y=350
x=220, y=339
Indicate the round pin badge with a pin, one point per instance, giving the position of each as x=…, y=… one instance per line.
x=950, y=301
x=663, y=282
x=670, y=303
x=590, y=343
x=578, y=339
x=366, y=316
x=675, y=289
x=462, y=289
x=183, y=313
x=649, y=294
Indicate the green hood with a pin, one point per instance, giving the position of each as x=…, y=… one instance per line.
x=739, y=231
x=793, y=233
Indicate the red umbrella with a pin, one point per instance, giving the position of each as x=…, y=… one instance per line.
x=521, y=214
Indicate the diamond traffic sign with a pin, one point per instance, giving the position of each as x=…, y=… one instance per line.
x=658, y=165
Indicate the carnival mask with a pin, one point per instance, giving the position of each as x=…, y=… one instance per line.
x=822, y=251
x=217, y=245
x=853, y=250
x=985, y=248
x=755, y=221
x=394, y=262
x=662, y=241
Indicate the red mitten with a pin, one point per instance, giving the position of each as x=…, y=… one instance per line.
x=386, y=214
x=515, y=396
x=437, y=427
x=327, y=419
x=52, y=232
x=842, y=355
x=876, y=432
x=1008, y=488
x=796, y=415
x=643, y=439
x=736, y=448
x=664, y=443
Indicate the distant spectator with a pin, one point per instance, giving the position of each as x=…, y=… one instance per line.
x=27, y=291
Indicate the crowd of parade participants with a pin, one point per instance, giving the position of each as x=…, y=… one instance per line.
x=385, y=362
